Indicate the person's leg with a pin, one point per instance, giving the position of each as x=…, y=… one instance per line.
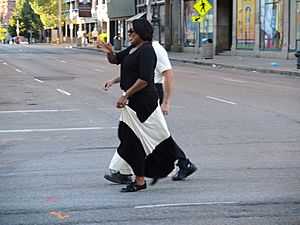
x=139, y=180
x=133, y=154
x=160, y=92
x=137, y=185
x=186, y=167
x=120, y=171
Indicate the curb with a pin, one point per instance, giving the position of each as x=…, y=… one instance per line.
x=239, y=67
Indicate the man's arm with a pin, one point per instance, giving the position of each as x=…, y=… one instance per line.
x=168, y=90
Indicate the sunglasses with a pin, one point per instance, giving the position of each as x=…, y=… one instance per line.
x=131, y=31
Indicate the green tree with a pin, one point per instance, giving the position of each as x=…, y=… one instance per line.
x=3, y=33
x=29, y=22
x=48, y=11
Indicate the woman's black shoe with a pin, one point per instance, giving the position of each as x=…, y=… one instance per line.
x=154, y=181
x=132, y=187
x=118, y=178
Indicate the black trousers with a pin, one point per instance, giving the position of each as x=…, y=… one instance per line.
x=160, y=92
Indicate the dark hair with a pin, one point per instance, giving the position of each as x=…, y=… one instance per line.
x=143, y=28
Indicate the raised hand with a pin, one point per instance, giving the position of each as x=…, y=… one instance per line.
x=103, y=47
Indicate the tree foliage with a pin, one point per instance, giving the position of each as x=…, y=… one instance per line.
x=3, y=33
x=29, y=21
x=48, y=11
x=34, y=16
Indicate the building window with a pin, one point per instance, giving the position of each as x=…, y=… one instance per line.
x=140, y=2
x=245, y=24
x=162, y=23
x=294, y=42
x=207, y=26
x=158, y=22
x=271, y=19
x=189, y=26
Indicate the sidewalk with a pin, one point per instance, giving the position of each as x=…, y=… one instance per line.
x=265, y=65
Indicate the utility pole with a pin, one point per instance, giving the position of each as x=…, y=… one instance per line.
x=59, y=22
x=18, y=30
x=167, y=25
x=149, y=15
x=71, y=17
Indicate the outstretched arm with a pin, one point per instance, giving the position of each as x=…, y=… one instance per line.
x=107, y=48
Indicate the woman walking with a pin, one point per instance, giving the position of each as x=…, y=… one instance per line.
x=145, y=141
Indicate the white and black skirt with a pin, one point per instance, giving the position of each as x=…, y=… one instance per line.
x=146, y=146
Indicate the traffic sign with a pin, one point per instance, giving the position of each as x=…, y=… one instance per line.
x=202, y=7
x=197, y=19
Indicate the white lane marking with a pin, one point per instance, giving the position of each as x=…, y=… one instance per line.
x=63, y=92
x=13, y=67
x=39, y=80
x=58, y=129
x=221, y=100
x=99, y=70
x=183, y=204
x=63, y=61
x=238, y=81
x=39, y=111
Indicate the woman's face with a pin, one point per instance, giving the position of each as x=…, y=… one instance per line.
x=133, y=37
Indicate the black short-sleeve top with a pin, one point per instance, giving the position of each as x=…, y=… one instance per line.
x=138, y=65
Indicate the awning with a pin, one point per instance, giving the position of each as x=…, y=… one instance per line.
x=137, y=16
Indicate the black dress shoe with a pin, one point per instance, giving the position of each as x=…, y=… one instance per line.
x=118, y=178
x=184, y=171
x=154, y=181
x=132, y=187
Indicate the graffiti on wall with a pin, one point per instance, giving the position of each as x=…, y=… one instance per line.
x=245, y=24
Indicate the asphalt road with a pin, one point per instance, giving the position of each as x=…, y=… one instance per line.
x=58, y=132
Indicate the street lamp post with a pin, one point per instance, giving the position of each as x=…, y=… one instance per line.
x=17, y=40
x=18, y=29
x=59, y=22
x=71, y=17
x=148, y=4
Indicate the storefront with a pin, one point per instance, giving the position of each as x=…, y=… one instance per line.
x=271, y=20
x=258, y=28
x=294, y=28
x=118, y=13
x=268, y=32
x=191, y=29
x=157, y=10
x=245, y=24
